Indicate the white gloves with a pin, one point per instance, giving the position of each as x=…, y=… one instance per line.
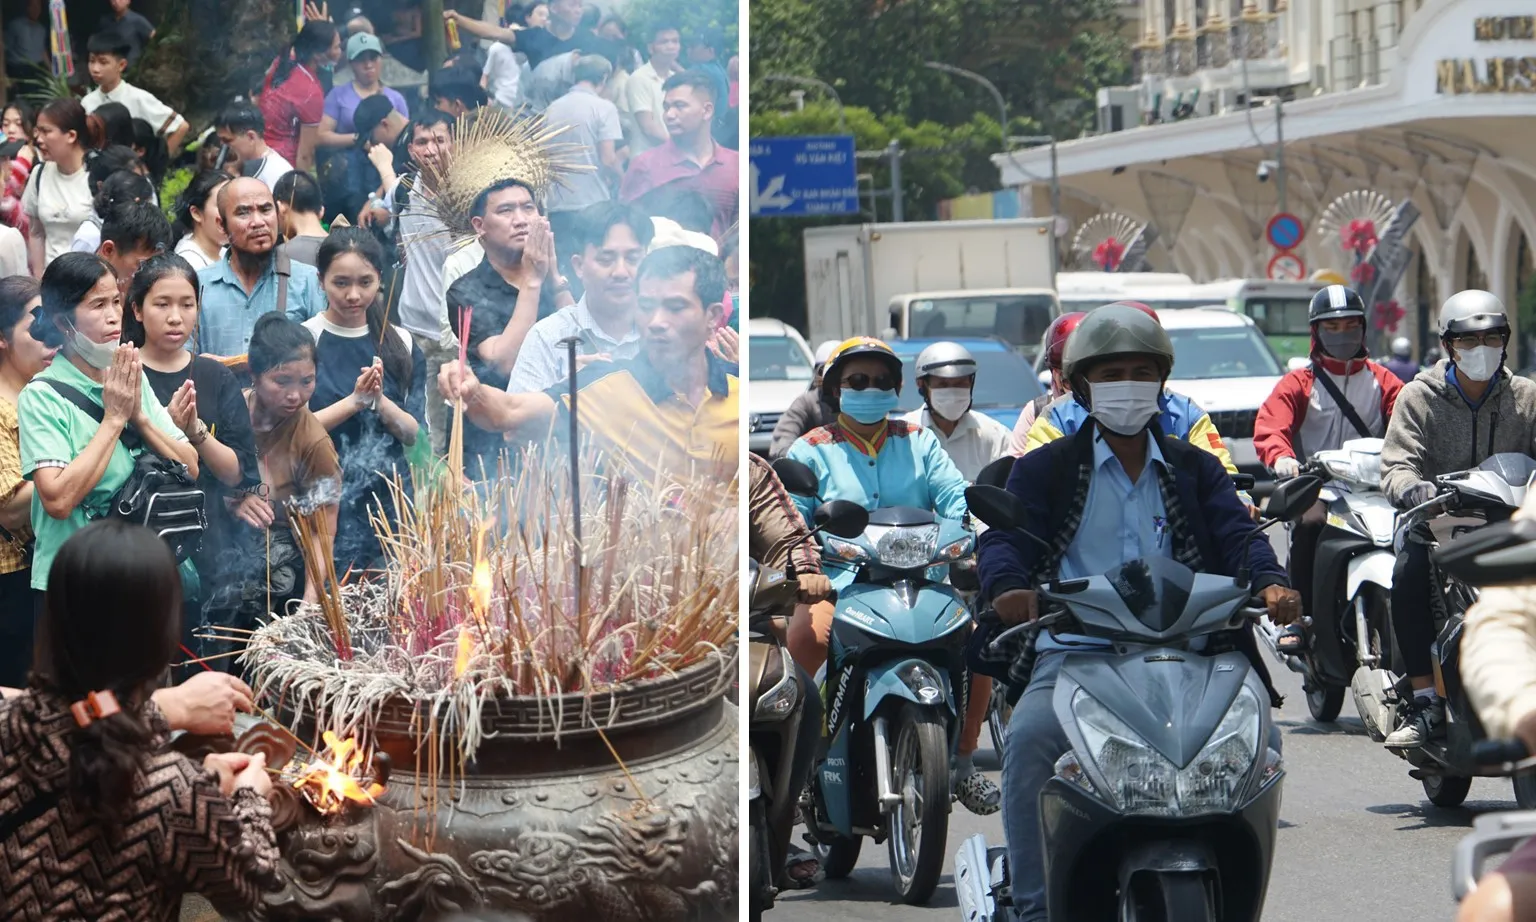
x=1286, y=468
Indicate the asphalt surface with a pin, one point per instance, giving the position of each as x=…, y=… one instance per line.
x=1356, y=834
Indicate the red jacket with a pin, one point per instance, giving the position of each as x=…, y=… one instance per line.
x=1300, y=418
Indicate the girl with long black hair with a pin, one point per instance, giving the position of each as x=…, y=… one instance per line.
x=369, y=388
x=292, y=102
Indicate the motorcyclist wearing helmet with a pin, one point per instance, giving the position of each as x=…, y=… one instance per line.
x=866, y=457
x=1116, y=491
x=807, y=411
x=946, y=377
x=1303, y=415
x=773, y=525
x=1178, y=416
x=1451, y=417
x=1401, y=363
x=1051, y=345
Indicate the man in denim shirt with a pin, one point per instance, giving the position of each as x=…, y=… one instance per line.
x=250, y=280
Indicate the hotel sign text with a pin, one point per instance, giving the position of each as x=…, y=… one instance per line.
x=1455, y=76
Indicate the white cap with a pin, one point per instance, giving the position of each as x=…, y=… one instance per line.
x=669, y=233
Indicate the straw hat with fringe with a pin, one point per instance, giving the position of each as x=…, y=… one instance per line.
x=491, y=146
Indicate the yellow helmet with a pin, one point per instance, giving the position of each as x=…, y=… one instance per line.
x=832, y=374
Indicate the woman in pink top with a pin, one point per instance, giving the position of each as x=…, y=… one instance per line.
x=292, y=101
x=18, y=124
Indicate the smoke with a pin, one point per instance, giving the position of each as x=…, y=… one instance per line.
x=324, y=492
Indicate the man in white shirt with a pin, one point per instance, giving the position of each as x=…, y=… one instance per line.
x=108, y=60
x=241, y=128
x=611, y=241
x=643, y=94
x=591, y=123
x=946, y=377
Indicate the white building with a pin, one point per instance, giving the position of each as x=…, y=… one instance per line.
x=1428, y=99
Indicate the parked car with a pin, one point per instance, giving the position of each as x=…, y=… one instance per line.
x=1222, y=361
x=1004, y=381
x=780, y=369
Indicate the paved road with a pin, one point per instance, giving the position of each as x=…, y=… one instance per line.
x=1356, y=833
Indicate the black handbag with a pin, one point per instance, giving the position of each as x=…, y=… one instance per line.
x=159, y=494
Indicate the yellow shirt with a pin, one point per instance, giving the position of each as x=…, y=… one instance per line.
x=633, y=412
x=13, y=553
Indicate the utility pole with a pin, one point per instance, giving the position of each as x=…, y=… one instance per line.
x=893, y=150
x=1280, y=152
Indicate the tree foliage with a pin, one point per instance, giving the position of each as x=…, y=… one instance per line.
x=690, y=16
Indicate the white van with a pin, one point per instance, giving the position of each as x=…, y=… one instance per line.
x=1084, y=291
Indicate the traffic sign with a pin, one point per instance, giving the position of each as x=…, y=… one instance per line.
x=1284, y=231
x=1287, y=267
x=804, y=176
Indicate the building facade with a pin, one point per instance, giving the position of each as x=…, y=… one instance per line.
x=1332, y=104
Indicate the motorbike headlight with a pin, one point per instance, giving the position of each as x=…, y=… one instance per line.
x=907, y=548
x=844, y=550
x=923, y=681
x=1213, y=781
x=1367, y=468
x=1139, y=779
x=780, y=699
x=1142, y=781
x=955, y=550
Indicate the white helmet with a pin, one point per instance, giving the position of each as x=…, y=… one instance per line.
x=824, y=351
x=945, y=360
x=1472, y=311
x=1402, y=347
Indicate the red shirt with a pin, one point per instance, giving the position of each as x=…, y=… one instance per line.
x=298, y=102
x=719, y=180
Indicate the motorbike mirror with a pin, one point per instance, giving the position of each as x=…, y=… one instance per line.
x=1292, y=498
x=796, y=477
x=996, y=474
x=1001, y=509
x=1498, y=555
x=841, y=517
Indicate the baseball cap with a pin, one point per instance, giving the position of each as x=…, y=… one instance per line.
x=361, y=43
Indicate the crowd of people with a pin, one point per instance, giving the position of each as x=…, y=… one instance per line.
x=284, y=339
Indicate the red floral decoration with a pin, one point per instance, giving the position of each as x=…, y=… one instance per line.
x=1107, y=255
x=1388, y=315
x=1359, y=236
x=1362, y=272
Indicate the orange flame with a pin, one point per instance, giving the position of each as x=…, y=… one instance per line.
x=331, y=781
x=466, y=648
x=480, y=590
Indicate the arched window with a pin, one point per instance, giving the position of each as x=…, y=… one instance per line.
x=1476, y=277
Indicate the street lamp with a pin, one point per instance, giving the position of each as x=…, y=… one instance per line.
x=842, y=121
x=1002, y=105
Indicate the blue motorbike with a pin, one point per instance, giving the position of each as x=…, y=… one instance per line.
x=897, y=680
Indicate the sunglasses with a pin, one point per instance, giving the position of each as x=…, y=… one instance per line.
x=862, y=382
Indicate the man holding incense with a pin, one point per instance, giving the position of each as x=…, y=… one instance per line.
x=672, y=409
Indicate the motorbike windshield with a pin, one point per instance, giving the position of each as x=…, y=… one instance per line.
x=1512, y=467
x=1154, y=589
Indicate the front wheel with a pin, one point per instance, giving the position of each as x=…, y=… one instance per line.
x=1447, y=790
x=1170, y=897
x=1525, y=789
x=919, y=825
x=1325, y=702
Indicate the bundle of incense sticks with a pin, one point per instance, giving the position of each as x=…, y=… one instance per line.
x=310, y=528
x=456, y=434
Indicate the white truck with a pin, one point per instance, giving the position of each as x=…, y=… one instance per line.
x=944, y=279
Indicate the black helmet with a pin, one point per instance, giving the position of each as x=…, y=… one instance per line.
x=1336, y=301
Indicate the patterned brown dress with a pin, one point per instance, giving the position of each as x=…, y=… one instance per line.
x=182, y=835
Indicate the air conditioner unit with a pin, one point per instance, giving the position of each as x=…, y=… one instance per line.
x=1119, y=109
x=1150, y=100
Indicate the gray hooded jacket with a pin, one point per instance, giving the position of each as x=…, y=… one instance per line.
x=1434, y=432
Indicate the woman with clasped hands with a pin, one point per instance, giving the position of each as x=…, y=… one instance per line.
x=75, y=463
x=99, y=819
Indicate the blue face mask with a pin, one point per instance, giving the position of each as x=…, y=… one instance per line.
x=867, y=406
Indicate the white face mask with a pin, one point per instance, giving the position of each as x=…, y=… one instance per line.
x=96, y=355
x=1479, y=363
x=949, y=402
x=1124, y=407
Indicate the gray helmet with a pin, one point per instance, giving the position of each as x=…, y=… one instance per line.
x=824, y=351
x=1472, y=311
x=1114, y=330
x=1402, y=347
x=945, y=360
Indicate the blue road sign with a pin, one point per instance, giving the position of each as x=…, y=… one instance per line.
x=1285, y=231
x=804, y=176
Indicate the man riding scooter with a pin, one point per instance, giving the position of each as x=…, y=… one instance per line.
x=773, y=525
x=867, y=458
x=1451, y=417
x=1118, y=490
x=1341, y=395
